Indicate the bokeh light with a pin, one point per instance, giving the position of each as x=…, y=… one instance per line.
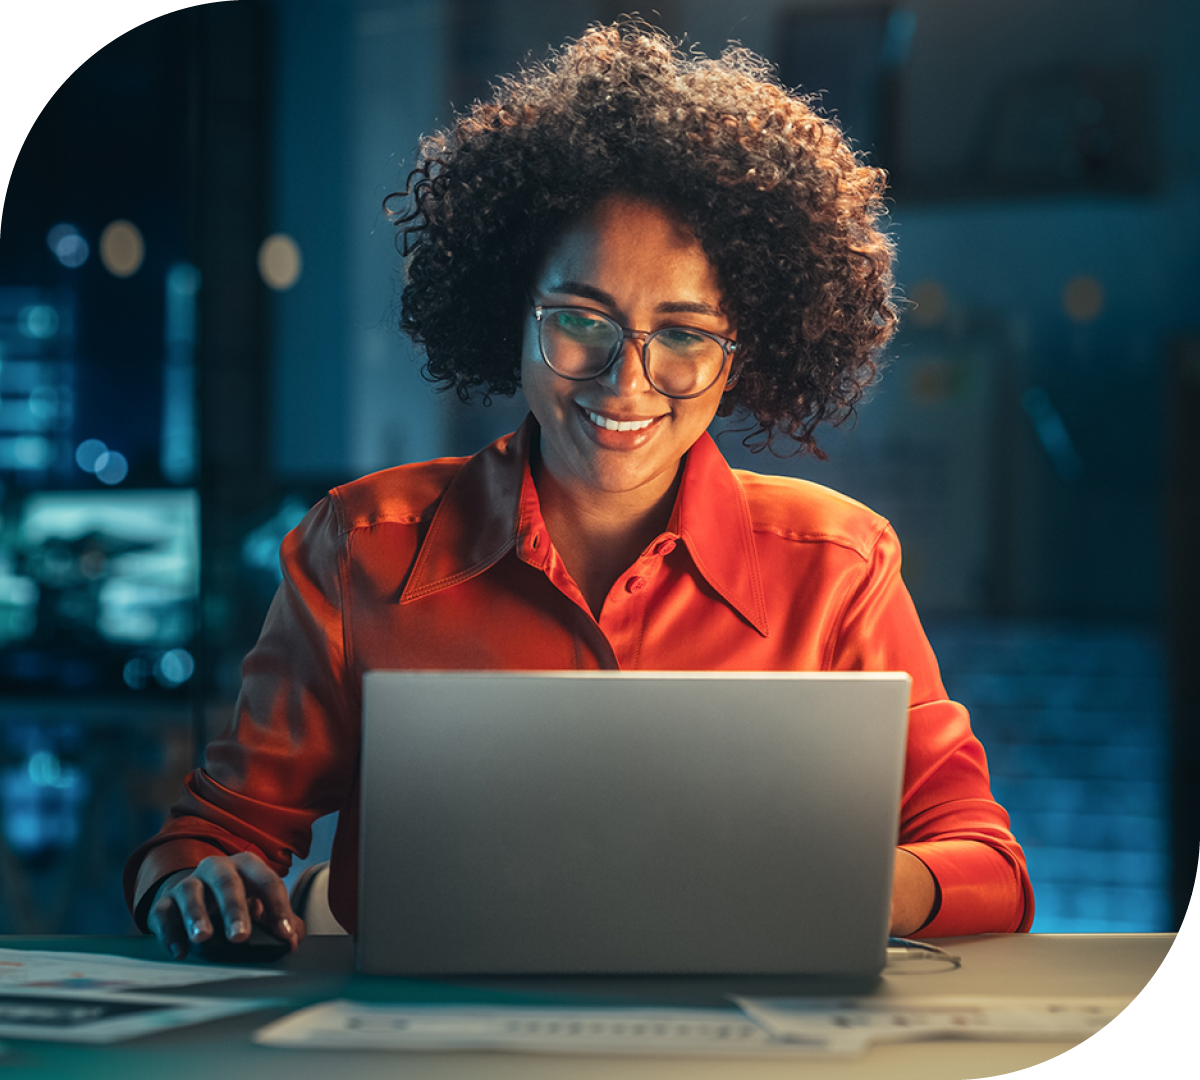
x=45, y=769
x=111, y=467
x=279, y=261
x=48, y=403
x=68, y=247
x=38, y=321
x=174, y=667
x=30, y=452
x=136, y=673
x=122, y=249
x=183, y=279
x=1083, y=299
x=88, y=452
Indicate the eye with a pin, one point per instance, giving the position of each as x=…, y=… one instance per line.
x=581, y=326
x=681, y=340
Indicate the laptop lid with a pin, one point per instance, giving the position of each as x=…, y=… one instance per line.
x=629, y=822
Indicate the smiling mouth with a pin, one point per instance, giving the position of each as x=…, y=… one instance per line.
x=617, y=425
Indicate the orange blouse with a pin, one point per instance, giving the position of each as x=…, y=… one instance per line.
x=447, y=565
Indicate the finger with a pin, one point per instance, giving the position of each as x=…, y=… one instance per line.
x=163, y=919
x=224, y=881
x=166, y=924
x=189, y=897
x=268, y=887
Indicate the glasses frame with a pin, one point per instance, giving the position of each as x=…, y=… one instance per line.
x=641, y=337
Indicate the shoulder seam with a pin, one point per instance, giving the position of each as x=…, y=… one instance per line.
x=851, y=592
x=372, y=520
x=398, y=485
x=858, y=535
x=368, y=521
x=862, y=548
x=339, y=511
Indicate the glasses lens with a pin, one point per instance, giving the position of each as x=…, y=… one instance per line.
x=578, y=343
x=681, y=362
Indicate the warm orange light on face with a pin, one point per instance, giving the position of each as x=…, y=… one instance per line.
x=615, y=434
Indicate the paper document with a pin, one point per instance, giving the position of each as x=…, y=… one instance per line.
x=774, y=1027
x=852, y=1025
x=103, y=972
x=351, y=1025
x=91, y=1017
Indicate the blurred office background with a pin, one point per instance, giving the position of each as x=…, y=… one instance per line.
x=197, y=309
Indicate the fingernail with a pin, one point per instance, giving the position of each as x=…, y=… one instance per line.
x=285, y=924
x=235, y=927
x=197, y=929
x=177, y=950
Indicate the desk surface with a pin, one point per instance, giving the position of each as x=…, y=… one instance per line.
x=1035, y=965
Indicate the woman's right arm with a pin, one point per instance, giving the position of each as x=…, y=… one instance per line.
x=287, y=758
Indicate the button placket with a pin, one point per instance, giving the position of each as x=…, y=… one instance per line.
x=622, y=620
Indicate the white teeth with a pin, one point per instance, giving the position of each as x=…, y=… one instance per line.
x=617, y=425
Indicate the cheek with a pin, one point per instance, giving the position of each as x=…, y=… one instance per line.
x=703, y=413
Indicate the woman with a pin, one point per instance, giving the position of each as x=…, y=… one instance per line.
x=640, y=240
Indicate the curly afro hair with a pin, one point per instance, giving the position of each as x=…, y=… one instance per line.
x=781, y=205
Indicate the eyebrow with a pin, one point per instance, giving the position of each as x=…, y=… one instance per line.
x=669, y=307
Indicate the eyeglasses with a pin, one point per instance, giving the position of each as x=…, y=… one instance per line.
x=679, y=362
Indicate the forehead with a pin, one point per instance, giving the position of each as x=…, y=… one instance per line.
x=631, y=243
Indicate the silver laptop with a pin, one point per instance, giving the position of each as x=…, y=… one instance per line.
x=628, y=823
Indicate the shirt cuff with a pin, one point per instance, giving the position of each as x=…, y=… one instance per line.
x=980, y=891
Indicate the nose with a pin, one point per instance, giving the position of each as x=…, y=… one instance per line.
x=628, y=374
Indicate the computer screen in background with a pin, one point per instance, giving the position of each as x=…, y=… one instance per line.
x=99, y=591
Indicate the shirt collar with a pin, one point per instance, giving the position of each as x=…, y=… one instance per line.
x=712, y=516
x=480, y=519
x=475, y=524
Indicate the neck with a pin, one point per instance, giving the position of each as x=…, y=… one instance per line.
x=599, y=534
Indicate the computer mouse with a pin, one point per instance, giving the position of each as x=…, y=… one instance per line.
x=261, y=947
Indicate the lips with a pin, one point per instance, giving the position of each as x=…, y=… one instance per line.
x=608, y=423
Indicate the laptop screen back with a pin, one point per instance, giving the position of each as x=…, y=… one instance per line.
x=612, y=822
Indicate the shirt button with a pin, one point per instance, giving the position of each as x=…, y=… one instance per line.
x=665, y=547
x=635, y=584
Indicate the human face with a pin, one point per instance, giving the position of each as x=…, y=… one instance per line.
x=636, y=263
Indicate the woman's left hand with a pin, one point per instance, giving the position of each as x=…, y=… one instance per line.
x=913, y=893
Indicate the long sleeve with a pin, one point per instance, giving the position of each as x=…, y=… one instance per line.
x=948, y=817
x=289, y=754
